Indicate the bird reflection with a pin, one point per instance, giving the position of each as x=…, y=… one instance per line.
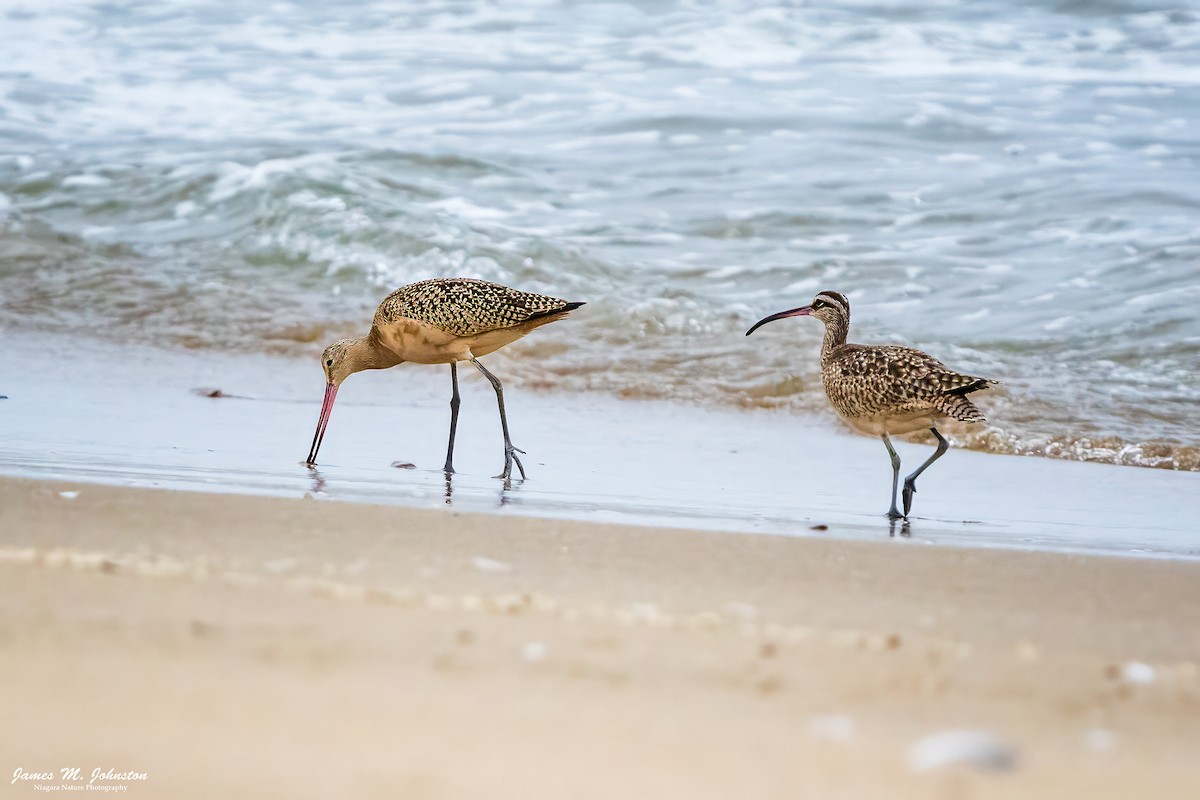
x=506, y=496
x=503, y=498
x=318, y=480
x=899, y=527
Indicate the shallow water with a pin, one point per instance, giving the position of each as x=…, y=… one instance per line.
x=130, y=415
x=1012, y=186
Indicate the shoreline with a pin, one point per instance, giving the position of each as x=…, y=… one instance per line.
x=419, y=641
x=141, y=422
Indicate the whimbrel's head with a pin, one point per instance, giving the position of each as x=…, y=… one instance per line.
x=829, y=307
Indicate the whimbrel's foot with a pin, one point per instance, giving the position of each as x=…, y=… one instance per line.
x=894, y=514
x=910, y=488
x=448, y=469
x=510, y=456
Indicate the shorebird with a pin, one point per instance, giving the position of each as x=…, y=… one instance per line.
x=886, y=389
x=441, y=321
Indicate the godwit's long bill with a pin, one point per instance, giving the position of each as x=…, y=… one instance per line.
x=441, y=321
x=886, y=389
x=331, y=390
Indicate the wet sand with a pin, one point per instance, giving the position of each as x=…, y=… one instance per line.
x=130, y=415
x=270, y=647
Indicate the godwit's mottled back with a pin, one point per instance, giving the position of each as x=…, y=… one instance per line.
x=441, y=321
x=886, y=389
x=466, y=306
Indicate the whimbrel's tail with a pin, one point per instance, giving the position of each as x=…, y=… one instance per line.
x=956, y=405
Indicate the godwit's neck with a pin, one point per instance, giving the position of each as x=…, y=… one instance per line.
x=836, y=330
x=368, y=352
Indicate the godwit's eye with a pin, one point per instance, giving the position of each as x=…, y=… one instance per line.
x=329, y=363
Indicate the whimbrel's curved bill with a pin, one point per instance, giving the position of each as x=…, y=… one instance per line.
x=803, y=311
x=322, y=422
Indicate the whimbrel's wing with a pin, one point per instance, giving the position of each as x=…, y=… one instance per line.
x=466, y=306
x=864, y=380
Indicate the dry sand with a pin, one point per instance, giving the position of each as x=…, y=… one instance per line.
x=235, y=646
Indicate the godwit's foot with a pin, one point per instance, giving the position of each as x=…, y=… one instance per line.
x=510, y=457
x=893, y=514
x=910, y=488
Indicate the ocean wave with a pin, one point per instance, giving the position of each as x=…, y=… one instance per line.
x=1016, y=193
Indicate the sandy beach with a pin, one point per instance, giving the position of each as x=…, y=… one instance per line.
x=266, y=647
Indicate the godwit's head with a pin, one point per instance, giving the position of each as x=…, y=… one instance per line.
x=341, y=360
x=832, y=308
x=337, y=363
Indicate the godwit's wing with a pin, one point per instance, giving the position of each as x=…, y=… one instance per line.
x=466, y=306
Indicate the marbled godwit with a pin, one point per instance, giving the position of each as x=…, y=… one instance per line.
x=886, y=389
x=441, y=321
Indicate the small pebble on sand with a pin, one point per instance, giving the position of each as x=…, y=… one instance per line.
x=484, y=564
x=832, y=727
x=68, y=495
x=533, y=652
x=1099, y=740
x=979, y=749
x=1137, y=672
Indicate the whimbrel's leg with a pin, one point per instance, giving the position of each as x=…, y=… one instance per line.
x=893, y=513
x=453, y=418
x=910, y=482
x=510, y=452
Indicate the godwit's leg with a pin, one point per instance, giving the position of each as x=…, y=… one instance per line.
x=893, y=513
x=510, y=452
x=910, y=482
x=453, y=418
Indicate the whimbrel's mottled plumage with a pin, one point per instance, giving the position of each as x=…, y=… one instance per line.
x=441, y=321
x=886, y=389
x=864, y=382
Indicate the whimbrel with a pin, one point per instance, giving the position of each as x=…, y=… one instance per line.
x=886, y=389
x=441, y=321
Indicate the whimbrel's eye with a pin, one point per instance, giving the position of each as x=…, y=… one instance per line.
x=329, y=363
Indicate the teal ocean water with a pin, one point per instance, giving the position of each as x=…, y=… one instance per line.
x=1014, y=187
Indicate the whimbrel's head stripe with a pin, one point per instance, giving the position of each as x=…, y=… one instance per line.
x=830, y=299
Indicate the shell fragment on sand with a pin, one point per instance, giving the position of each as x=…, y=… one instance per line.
x=979, y=749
